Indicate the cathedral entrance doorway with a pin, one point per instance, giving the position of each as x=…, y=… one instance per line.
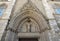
x=28, y=24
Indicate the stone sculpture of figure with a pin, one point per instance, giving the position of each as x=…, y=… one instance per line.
x=29, y=26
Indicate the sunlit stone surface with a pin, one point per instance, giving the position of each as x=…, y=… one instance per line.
x=30, y=19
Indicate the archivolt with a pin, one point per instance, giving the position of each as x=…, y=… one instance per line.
x=30, y=14
x=28, y=10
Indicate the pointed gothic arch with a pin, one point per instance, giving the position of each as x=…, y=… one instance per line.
x=35, y=16
x=29, y=13
x=29, y=10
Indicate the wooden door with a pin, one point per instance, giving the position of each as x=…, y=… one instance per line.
x=28, y=39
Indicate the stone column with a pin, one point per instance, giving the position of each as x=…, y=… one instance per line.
x=10, y=36
x=3, y=24
x=44, y=36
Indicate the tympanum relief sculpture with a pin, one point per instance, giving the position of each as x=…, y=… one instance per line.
x=29, y=25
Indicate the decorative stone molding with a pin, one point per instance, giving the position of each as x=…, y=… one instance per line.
x=29, y=10
x=28, y=13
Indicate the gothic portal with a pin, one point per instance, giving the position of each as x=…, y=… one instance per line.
x=28, y=24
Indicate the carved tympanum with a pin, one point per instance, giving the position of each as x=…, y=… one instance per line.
x=29, y=25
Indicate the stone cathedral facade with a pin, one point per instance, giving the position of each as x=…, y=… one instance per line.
x=29, y=20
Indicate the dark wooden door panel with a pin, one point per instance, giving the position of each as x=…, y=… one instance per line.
x=28, y=39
